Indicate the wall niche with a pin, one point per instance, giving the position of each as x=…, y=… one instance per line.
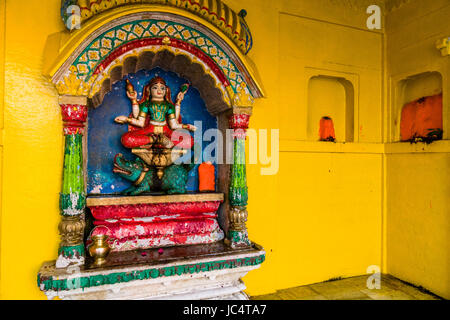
x=330, y=98
x=419, y=108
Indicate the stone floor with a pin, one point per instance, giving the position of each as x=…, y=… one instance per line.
x=352, y=289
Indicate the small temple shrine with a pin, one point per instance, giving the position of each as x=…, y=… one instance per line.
x=142, y=216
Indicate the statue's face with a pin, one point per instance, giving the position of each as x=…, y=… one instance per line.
x=158, y=91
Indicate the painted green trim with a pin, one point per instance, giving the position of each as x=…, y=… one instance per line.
x=239, y=196
x=74, y=201
x=238, y=187
x=70, y=252
x=239, y=238
x=54, y=284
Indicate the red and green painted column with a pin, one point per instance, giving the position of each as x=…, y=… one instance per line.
x=238, y=196
x=72, y=198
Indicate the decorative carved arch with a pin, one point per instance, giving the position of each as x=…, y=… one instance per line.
x=83, y=66
x=213, y=91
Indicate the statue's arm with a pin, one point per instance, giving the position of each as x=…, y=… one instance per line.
x=133, y=97
x=174, y=125
x=177, y=111
x=139, y=122
x=136, y=109
x=139, y=114
x=173, y=118
x=180, y=99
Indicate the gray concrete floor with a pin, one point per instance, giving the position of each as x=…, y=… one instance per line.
x=352, y=289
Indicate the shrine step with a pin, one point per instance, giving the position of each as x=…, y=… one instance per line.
x=192, y=272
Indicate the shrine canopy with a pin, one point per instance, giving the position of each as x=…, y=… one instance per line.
x=204, y=41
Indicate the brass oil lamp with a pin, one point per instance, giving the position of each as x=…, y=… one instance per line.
x=99, y=249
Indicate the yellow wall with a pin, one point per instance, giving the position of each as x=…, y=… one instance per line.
x=2, y=79
x=32, y=150
x=324, y=214
x=418, y=236
x=321, y=215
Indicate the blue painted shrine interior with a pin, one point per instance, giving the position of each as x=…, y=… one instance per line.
x=104, y=134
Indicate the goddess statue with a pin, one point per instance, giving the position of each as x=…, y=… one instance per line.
x=157, y=117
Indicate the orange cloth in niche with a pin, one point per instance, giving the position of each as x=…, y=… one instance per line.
x=326, y=129
x=419, y=116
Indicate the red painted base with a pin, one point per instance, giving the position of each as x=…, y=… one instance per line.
x=145, y=226
x=151, y=210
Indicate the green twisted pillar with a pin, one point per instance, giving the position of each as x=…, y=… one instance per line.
x=239, y=189
x=72, y=198
x=238, y=196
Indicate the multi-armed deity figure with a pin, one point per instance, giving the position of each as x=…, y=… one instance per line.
x=157, y=115
x=153, y=122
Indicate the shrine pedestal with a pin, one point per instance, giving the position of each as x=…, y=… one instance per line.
x=162, y=247
x=145, y=222
x=199, y=272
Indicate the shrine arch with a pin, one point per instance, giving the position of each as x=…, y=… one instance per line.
x=91, y=55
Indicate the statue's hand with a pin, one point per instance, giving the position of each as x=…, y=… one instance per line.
x=132, y=96
x=180, y=97
x=192, y=128
x=121, y=119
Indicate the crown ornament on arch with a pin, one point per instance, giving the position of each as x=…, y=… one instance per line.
x=243, y=98
x=76, y=12
x=444, y=46
x=73, y=85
